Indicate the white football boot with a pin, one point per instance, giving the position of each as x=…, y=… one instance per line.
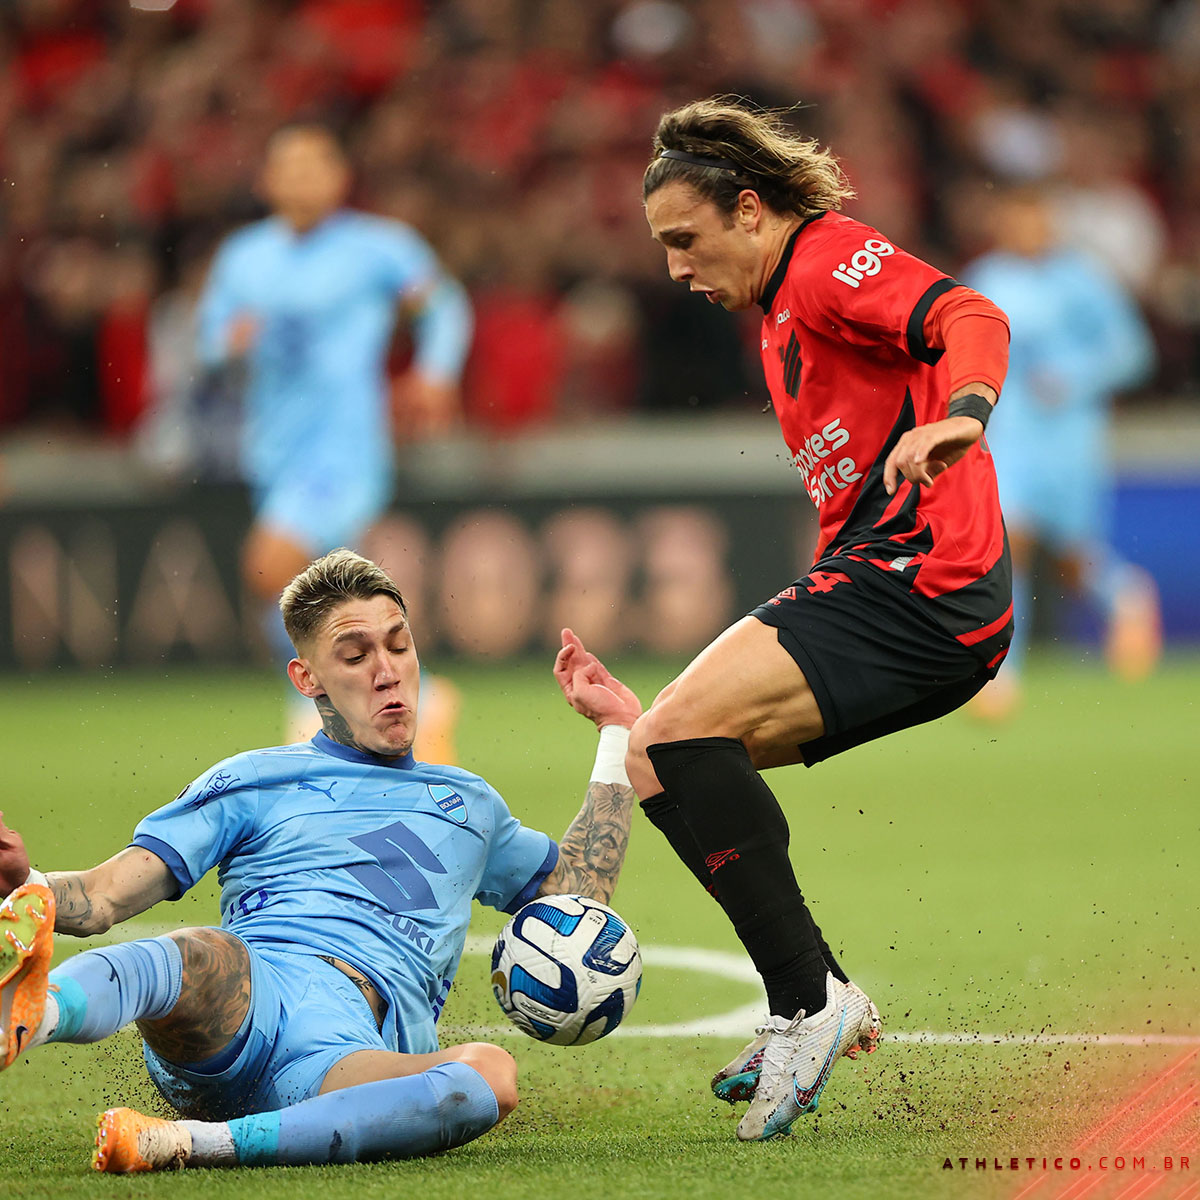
x=738, y=1078
x=799, y=1055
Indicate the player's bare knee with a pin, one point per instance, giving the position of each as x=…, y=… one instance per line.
x=499, y=1070
x=676, y=720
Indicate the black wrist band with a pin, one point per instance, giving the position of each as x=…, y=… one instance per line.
x=971, y=405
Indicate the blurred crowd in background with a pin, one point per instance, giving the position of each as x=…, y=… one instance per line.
x=513, y=135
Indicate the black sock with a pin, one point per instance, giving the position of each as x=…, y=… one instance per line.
x=664, y=814
x=742, y=834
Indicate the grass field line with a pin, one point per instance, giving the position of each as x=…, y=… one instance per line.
x=738, y=1022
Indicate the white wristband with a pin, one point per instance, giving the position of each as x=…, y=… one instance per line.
x=35, y=876
x=610, y=756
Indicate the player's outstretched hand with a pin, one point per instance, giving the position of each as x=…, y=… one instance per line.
x=922, y=454
x=590, y=688
x=14, y=862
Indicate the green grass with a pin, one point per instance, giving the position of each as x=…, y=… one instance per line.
x=1039, y=875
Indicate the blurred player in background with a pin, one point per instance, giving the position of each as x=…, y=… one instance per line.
x=883, y=373
x=304, y=304
x=348, y=870
x=1077, y=338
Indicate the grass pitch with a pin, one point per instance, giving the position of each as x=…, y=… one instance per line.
x=1036, y=880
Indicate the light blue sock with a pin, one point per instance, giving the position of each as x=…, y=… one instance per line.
x=1106, y=577
x=100, y=991
x=1022, y=585
x=392, y=1118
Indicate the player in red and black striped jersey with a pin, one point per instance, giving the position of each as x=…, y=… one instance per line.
x=883, y=372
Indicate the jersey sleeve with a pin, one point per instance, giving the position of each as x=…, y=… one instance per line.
x=204, y=823
x=865, y=290
x=442, y=317
x=519, y=858
x=407, y=262
x=219, y=304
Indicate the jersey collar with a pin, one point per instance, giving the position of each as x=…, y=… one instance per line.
x=327, y=745
x=767, y=299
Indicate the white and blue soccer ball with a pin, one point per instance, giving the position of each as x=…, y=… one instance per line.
x=566, y=970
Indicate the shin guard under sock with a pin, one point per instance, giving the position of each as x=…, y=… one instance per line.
x=742, y=834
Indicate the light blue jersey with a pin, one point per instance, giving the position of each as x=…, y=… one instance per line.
x=324, y=303
x=322, y=849
x=1076, y=339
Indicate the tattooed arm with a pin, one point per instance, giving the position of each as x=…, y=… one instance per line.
x=592, y=851
x=91, y=901
x=94, y=901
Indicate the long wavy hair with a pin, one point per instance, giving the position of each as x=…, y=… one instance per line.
x=791, y=173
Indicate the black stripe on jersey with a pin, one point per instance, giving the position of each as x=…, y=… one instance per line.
x=792, y=366
x=914, y=331
x=865, y=526
x=780, y=273
x=960, y=612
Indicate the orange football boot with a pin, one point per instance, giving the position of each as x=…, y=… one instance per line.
x=128, y=1141
x=26, y=944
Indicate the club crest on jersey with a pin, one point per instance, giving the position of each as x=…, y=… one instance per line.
x=449, y=801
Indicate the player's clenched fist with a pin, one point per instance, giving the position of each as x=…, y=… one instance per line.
x=922, y=454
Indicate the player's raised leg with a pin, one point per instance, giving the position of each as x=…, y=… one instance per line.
x=741, y=704
x=373, y=1104
x=745, y=703
x=189, y=991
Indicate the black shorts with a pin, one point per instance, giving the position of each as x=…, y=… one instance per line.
x=876, y=659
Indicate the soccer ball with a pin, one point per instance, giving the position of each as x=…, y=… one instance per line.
x=566, y=970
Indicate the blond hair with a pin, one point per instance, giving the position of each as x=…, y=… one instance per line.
x=754, y=149
x=327, y=582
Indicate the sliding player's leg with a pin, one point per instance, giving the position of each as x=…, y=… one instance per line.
x=372, y=1104
x=188, y=991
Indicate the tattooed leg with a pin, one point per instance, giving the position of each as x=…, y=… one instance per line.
x=214, y=997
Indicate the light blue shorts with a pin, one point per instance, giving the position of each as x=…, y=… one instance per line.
x=322, y=511
x=304, y=1017
x=1055, y=482
x=1067, y=508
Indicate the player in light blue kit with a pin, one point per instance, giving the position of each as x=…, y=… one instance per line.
x=303, y=304
x=347, y=872
x=1076, y=339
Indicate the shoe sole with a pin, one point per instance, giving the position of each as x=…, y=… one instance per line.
x=736, y=1088
x=26, y=946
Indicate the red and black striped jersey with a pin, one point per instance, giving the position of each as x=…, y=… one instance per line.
x=849, y=372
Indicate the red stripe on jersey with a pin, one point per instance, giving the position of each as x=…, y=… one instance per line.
x=981, y=635
x=897, y=500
